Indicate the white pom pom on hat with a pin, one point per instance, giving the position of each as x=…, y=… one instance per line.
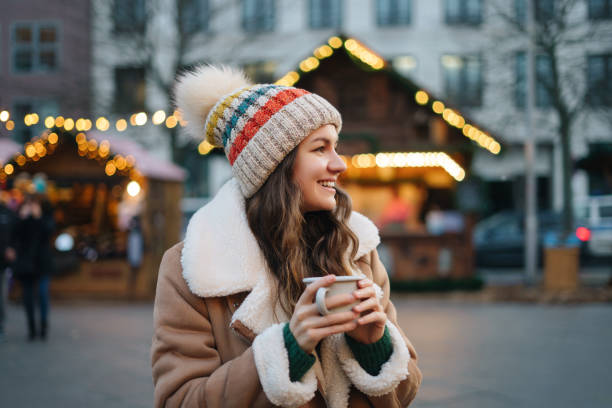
x=257, y=125
x=197, y=91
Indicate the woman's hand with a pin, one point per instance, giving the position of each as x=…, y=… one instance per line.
x=371, y=324
x=309, y=327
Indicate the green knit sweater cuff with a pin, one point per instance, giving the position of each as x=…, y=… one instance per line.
x=299, y=360
x=371, y=357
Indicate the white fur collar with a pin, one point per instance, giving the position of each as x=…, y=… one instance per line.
x=221, y=256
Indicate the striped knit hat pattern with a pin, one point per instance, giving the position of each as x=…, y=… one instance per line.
x=257, y=125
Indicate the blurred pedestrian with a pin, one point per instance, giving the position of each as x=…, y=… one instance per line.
x=135, y=250
x=33, y=263
x=235, y=325
x=7, y=255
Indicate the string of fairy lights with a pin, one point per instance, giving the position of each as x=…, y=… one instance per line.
x=45, y=144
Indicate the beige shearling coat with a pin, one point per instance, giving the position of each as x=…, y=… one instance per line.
x=218, y=332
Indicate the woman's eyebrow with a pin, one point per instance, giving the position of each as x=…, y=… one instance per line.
x=324, y=139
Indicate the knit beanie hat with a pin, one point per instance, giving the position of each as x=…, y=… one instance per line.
x=257, y=125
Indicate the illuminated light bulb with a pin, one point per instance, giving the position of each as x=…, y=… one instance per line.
x=495, y=148
x=88, y=125
x=466, y=130
x=382, y=160
x=43, y=152
x=49, y=122
x=351, y=44
x=140, y=119
x=335, y=42
x=421, y=97
x=121, y=125
x=171, y=121
x=120, y=162
x=8, y=169
x=133, y=119
x=79, y=124
x=10, y=125
x=102, y=123
x=59, y=121
x=110, y=168
x=34, y=118
x=69, y=124
x=437, y=107
x=38, y=147
x=80, y=138
x=4, y=116
x=204, y=147
x=30, y=151
x=460, y=122
x=92, y=145
x=53, y=138
x=355, y=161
x=21, y=160
x=326, y=51
x=133, y=188
x=159, y=117
x=36, y=158
x=313, y=62
x=447, y=113
x=26, y=120
x=130, y=160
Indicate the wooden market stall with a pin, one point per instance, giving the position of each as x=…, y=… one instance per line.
x=97, y=183
x=408, y=156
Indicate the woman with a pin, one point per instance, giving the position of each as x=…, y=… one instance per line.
x=234, y=324
x=32, y=255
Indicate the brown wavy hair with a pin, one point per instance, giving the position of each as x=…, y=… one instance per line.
x=297, y=245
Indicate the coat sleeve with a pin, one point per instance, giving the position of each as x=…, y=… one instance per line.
x=399, y=379
x=187, y=369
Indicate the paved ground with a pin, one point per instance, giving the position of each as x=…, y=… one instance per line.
x=472, y=355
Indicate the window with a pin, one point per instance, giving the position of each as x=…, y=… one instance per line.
x=325, y=13
x=22, y=133
x=193, y=15
x=393, y=12
x=129, y=89
x=258, y=15
x=35, y=47
x=544, y=10
x=542, y=80
x=129, y=16
x=466, y=12
x=463, y=79
x=599, y=80
x=600, y=9
x=404, y=64
x=261, y=71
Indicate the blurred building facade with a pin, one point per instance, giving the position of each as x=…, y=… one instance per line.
x=458, y=49
x=45, y=62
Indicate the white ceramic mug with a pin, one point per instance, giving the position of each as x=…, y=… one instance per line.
x=343, y=284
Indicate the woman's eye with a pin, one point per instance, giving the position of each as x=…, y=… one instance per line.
x=320, y=149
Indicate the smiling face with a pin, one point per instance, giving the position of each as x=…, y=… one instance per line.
x=316, y=169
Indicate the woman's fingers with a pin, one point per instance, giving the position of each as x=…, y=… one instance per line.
x=374, y=317
x=311, y=290
x=332, y=319
x=322, y=332
x=368, y=304
x=366, y=292
x=339, y=300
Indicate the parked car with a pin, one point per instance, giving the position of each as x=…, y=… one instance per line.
x=499, y=241
x=597, y=215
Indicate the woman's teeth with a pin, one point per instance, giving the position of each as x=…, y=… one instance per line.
x=327, y=183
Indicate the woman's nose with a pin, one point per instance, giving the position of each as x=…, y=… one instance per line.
x=336, y=163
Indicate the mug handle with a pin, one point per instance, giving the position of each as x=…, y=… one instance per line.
x=320, y=301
